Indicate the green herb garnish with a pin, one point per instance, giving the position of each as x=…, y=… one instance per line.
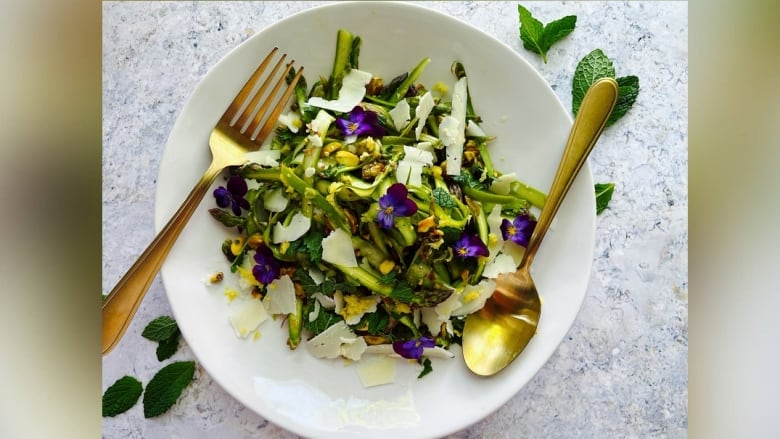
x=538, y=37
x=603, y=195
x=165, y=331
x=166, y=386
x=597, y=65
x=121, y=395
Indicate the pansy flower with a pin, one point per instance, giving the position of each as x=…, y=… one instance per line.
x=266, y=268
x=469, y=246
x=232, y=195
x=394, y=204
x=413, y=349
x=518, y=230
x=361, y=123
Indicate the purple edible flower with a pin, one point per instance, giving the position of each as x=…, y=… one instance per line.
x=361, y=123
x=266, y=268
x=395, y=203
x=519, y=230
x=469, y=246
x=233, y=195
x=413, y=349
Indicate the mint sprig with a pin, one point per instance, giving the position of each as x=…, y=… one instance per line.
x=597, y=65
x=166, y=386
x=603, y=195
x=538, y=37
x=121, y=395
x=165, y=331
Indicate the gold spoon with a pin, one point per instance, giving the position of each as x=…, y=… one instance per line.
x=494, y=336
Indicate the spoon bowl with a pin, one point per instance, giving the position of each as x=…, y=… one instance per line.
x=495, y=335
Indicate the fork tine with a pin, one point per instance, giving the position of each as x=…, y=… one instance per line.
x=270, y=123
x=249, y=108
x=235, y=105
x=252, y=128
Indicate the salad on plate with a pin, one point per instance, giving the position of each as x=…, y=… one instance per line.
x=373, y=221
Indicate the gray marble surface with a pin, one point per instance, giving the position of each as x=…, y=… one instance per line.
x=622, y=369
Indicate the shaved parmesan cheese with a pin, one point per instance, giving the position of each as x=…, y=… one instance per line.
x=337, y=249
x=353, y=89
x=327, y=344
x=501, y=264
x=274, y=200
x=437, y=352
x=472, y=129
x=316, y=276
x=265, y=157
x=400, y=114
x=353, y=348
x=299, y=225
x=325, y=301
x=409, y=170
x=247, y=317
x=280, y=298
x=291, y=120
x=473, y=297
x=315, y=312
x=502, y=184
x=376, y=370
x=433, y=317
x=422, y=111
x=320, y=124
x=452, y=127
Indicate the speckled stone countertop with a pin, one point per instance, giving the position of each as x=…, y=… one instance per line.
x=622, y=369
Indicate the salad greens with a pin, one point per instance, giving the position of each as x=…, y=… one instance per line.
x=375, y=213
x=597, y=65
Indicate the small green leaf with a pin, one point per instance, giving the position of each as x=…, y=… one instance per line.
x=628, y=90
x=166, y=386
x=597, y=65
x=166, y=348
x=161, y=328
x=443, y=198
x=538, y=38
x=592, y=67
x=603, y=195
x=427, y=367
x=121, y=395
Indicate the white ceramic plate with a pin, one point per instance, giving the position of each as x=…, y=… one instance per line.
x=321, y=398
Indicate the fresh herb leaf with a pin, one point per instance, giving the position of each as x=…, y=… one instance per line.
x=603, y=195
x=375, y=323
x=166, y=386
x=466, y=179
x=121, y=395
x=538, y=38
x=443, y=198
x=313, y=243
x=166, y=348
x=160, y=329
x=325, y=319
x=427, y=367
x=402, y=292
x=597, y=65
x=628, y=90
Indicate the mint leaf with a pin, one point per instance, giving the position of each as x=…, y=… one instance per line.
x=443, y=198
x=628, y=90
x=166, y=386
x=538, y=38
x=427, y=367
x=597, y=65
x=166, y=348
x=160, y=329
x=603, y=195
x=402, y=292
x=121, y=395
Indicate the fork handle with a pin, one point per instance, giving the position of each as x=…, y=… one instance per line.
x=121, y=304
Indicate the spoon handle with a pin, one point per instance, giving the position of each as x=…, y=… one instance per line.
x=596, y=107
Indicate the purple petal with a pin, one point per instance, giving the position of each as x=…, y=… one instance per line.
x=237, y=186
x=408, y=349
x=477, y=247
x=345, y=126
x=506, y=225
x=386, y=220
x=222, y=196
x=405, y=208
x=397, y=193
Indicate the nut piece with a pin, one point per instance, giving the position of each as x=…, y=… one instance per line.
x=347, y=158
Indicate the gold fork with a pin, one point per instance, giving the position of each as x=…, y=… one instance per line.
x=236, y=133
